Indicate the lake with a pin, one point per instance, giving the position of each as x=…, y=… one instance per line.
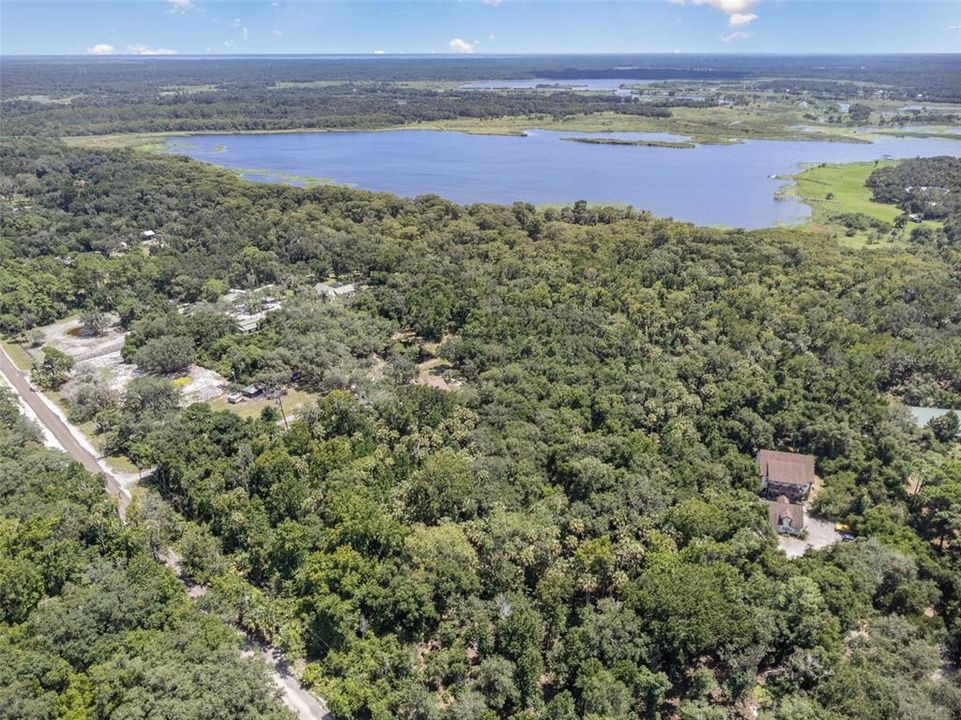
x=552, y=83
x=707, y=185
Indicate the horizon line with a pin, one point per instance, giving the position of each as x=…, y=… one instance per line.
x=466, y=56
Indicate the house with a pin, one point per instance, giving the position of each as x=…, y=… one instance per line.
x=149, y=239
x=335, y=289
x=248, y=323
x=234, y=398
x=251, y=391
x=786, y=517
x=785, y=473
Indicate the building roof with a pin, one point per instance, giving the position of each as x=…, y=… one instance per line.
x=248, y=323
x=782, y=508
x=335, y=288
x=785, y=467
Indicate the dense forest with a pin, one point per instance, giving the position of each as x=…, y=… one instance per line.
x=91, y=625
x=934, y=76
x=339, y=106
x=575, y=532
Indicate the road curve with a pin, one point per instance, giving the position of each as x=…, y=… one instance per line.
x=306, y=705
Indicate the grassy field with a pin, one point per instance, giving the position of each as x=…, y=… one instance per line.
x=845, y=184
x=293, y=400
x=20, y=357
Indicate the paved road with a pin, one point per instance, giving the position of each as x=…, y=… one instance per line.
x=303, y=703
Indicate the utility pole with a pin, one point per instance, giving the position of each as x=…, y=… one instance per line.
x=280, y=403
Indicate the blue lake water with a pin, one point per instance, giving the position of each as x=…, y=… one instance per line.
x=576, y=83
x=707, y=185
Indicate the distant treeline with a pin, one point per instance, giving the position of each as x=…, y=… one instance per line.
x=348, y=105
x=106, y=95
x=30, y=76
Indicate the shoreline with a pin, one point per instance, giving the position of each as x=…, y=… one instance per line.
x=512, y=126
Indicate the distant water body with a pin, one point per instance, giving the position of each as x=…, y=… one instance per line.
x=572, y=83
x=706, y=185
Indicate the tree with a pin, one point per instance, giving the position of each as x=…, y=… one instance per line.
x=90, y=399
x=671, y=596
x=601, y=693
x=201, y=554
x=93, y=322
x=495, y=679
x=53, y=369
x=442, y=488
x=859, y=113
x=166, y=354
x=212, y=289
x=149, y=397
x=945, y=427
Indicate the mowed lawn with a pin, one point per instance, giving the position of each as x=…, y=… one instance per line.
x=846, y=184
x=851, y=195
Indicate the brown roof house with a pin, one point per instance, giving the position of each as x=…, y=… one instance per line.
x=786, y=517
x=787, y=474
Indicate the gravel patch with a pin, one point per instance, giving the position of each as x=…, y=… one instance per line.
x=820, y=534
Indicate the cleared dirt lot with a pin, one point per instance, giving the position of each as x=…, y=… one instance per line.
x=67, y=336
x=98, y=359
x=820, y=534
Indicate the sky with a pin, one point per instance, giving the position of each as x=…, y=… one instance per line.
x=218, y=27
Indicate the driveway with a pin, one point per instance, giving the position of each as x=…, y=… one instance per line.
x=820, y=534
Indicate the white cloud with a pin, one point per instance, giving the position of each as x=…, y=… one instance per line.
x=179, y=6
x=492, y=37
x=244, y=33
x=956, y=26
x=459, y=45
x=492, y=2
x=737, y=11
x=741, y=19
x=277, y=33
x=141, y=49
x=728, y=7
x=380, y=52
x=101, y=49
